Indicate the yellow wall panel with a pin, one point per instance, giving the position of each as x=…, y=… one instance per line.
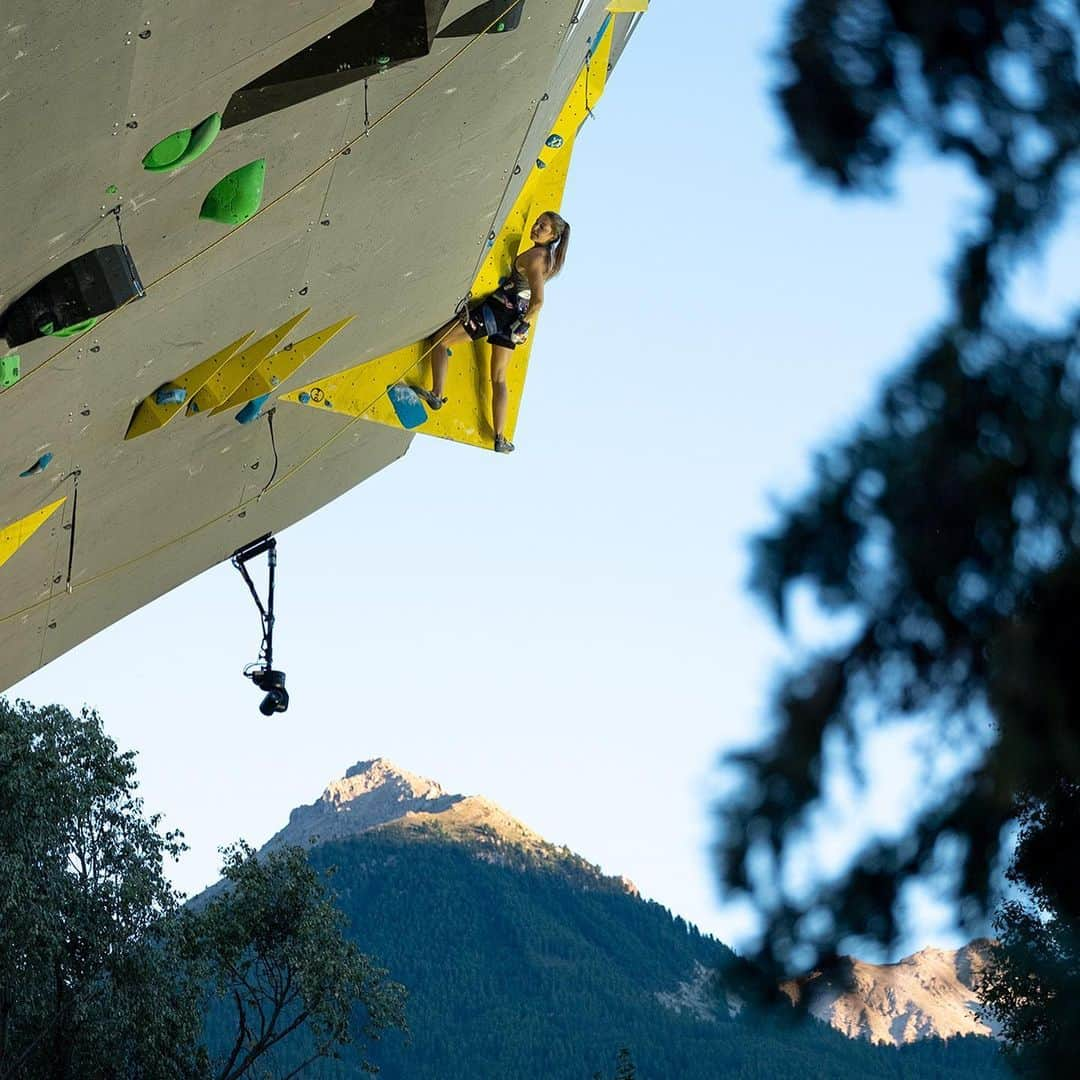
x=149, y=415
x=466, y=416
x=219, y=388
x=13, y=536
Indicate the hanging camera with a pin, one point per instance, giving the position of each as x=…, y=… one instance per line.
x=262, y=672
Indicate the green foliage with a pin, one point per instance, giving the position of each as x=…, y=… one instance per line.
x=1033, y=987
x=86, y=987
x=102, y=975
x=271, y=945
x=521, y=966
x=947, y=527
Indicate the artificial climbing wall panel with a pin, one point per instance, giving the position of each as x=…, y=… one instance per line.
x=86, y=90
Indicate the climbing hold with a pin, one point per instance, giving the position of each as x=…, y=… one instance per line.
x=251, y=410
x=304, y=397
x=162, y=154
x=554, y=141
x=170, y=395
x=541, y=164
x=40, y=465
x=236, y=197
x=328, y=403
x=449, y=352
x=9, y=370
x=183, y=147
x=382, y=61
x=500, y=27
x=112, y=189
x=144, y=34
x=73, y=294
x=71, y=331
x=408, y=408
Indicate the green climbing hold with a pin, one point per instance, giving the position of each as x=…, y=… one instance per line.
x=183, y=147
x=75, y=328
x=236, y=197
x=161, y=155
x=382, y=60
x=112, y=189
x=9, y=370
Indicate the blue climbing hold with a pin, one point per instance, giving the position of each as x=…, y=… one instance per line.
x=170, y=395
x=304, y=397
x=40, y=465
x=554, y=141
x=407, y=405
x=251, y=410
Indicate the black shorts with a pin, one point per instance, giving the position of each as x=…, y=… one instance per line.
x=492, y=319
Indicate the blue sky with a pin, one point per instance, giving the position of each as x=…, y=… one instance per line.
x=566, y=630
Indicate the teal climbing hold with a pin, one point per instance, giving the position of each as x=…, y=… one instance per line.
x=252, y=409
x=9, y=370
x=304, y=397
x=170, y=395
x=554, y=141
x=236, y=197
x=541, y=164
x=40, y=465
x=407, y=405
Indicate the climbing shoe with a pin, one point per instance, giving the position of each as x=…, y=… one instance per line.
x=503, y=445
x=430, y=399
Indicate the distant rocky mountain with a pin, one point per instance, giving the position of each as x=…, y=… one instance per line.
x=523, y=959
x=932, y=993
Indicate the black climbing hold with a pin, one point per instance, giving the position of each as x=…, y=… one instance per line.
x=303, y=291
x=89, y=286
x=85, y=412
x=325, y=221
x=133, y=124
x=517, y=169
x=490, y=16
x=144, y=34
x=347, y=151
x=389, y=33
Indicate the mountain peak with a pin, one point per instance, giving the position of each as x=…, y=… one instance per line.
x=371, y=793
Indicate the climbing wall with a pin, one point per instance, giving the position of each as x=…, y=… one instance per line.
x=274, y=246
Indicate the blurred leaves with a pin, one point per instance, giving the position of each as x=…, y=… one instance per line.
x=948, y=523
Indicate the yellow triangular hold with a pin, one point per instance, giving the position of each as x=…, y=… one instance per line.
x=219, y=388
x=149, y=415
x=274, y=370
x=466, y=416
x=13, y=536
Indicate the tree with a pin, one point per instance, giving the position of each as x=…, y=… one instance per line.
x=624, y=1065
x=104, y=975
x=947, y=527
x=272, y=945
x=85, y=987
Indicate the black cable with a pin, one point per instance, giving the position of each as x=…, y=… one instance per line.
x=74, y=512
x=273, y=446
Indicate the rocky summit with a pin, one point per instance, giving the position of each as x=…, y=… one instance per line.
x=933, y=993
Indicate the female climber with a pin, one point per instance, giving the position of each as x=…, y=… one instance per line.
x=503, y=318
